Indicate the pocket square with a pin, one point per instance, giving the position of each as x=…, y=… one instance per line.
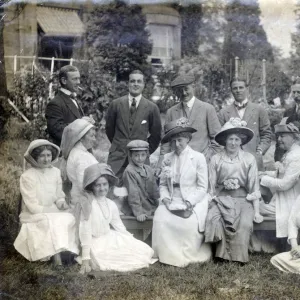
x=144, y=122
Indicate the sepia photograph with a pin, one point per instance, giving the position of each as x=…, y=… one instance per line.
x=149, y=149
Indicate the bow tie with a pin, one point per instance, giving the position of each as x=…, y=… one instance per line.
x=238, y=107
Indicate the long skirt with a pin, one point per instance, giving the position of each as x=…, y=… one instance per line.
x=119, y=251
x=177, y=241
x=285, y=262
x=43, y=235
x=234, y=246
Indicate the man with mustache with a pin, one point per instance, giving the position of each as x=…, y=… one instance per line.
x=201, y=116
x=255, y=116
x=64, y=109
x=293, y=115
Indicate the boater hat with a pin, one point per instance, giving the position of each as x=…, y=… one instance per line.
x=234, y=126
x=175, y=127
x=284, y=127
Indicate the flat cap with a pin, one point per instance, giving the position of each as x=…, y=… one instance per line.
x=182, y=80
x=137, y=145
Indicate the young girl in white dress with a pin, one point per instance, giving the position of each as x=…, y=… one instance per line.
x=47, y=228
x=103, y=247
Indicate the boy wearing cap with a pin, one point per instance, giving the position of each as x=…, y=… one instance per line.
x=140, y=181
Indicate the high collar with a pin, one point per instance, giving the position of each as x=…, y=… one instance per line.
x=241, y=104
x=67, y=92
x=184, y=152
x=190, y=103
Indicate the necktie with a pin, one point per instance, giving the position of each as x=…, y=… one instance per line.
x=238, y=107
x=186, y=110
x=133, y=106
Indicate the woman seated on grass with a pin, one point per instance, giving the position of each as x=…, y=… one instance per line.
x=47, y=229
x=234, y=188
x=178, y=223
x=104, y=248
x=290, y=261
x=140, y=182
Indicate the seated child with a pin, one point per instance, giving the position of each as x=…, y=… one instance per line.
x=105, y=248
x=47, y=228
x=140, y=181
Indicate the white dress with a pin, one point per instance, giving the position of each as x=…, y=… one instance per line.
x=111, y=249
x=286, y=188
x=178, y=241
x=45, y=229
x=284, y=261
x=79, y=159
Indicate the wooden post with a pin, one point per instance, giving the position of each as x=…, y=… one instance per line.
x=33, y=63
x=71, y=62
x=15, y=64
x=51, y=75
x=236, y=71
x=264, y=81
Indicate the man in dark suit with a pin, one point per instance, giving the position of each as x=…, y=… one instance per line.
x=201, y=115
x=293, y=114
x=64, y=109
x=256, y=117
x=131, y=117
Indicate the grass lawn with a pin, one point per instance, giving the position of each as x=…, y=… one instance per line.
x=20, y=279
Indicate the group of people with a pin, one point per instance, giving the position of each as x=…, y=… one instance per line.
x=205, y=189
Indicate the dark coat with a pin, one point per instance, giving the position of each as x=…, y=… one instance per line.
x=60, y=112
x=146, y=127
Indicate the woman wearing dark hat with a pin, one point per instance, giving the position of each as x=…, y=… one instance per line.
x=47, y=228
x=234, y=188
x=105, y=248
x=178, y=224
x=284, y=182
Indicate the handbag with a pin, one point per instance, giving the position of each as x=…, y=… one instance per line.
x=183, y=213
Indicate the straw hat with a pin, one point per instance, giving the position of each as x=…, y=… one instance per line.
x=284, y=127
x=93, y=172
x=175, y=127
x=37, y=143
x=234, y=126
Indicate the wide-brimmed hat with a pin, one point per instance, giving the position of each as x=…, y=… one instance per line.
x=93, y=172
x=182, y=80
x=175, y=127
x=234, y=126
x=285, y=127
x=37, y=143
x=73, y=134
x=138, y=145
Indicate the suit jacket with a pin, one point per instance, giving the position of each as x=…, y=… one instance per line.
x=193, y=177
x=147, y=127
x=204, y=119
x=60, y=112
x=257, y=120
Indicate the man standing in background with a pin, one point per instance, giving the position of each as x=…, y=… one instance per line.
x=256, y=117
x=64, y=109
x=131, y=117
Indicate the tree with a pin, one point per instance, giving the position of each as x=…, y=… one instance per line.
x=295, y=53
x=190, y=32
x=244, y=35
x=117, y=34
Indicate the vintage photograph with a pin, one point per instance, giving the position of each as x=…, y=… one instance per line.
x=149, y=149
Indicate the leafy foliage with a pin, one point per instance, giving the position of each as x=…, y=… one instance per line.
x=190, y=31
x=295, y=54
x=116, y=33
x=244, y=35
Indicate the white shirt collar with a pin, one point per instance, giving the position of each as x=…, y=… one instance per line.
x=241, y=103
x=137, y=99
x=190, y=103
x=67, y=92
